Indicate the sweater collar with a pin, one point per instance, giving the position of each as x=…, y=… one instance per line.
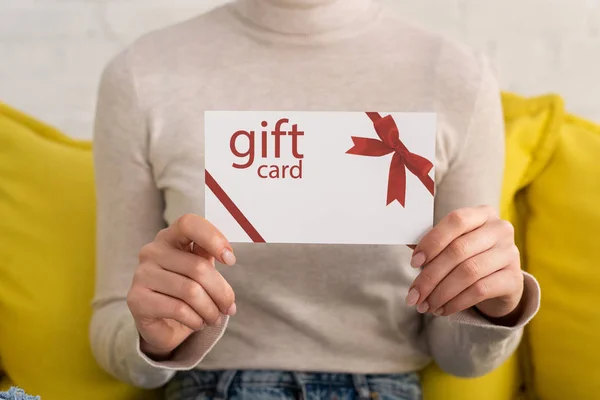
x=306, y=20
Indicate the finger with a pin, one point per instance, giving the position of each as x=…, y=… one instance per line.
x=453, y=225
x=200, y=270
x=199, y=251
x=490, y=287
x=459, y=250
x=466, y=274
x=193, y=228
x=185, y=289
x=146, y=304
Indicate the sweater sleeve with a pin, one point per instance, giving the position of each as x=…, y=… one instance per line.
x=129, y=215
x=466, y=344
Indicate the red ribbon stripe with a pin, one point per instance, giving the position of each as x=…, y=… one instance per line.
x=230, y=206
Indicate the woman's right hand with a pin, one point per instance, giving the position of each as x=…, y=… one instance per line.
x=176, y=289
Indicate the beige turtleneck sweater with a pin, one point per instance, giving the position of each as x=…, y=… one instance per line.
x=300, y=307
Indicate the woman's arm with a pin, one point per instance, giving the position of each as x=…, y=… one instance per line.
x=129, y=215
x=468, y=343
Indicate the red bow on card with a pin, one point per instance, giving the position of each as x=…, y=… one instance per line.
x=390, y=143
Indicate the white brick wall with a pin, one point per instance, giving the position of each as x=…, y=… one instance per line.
x=52, y=51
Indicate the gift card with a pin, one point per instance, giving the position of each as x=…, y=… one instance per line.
x=320, y=177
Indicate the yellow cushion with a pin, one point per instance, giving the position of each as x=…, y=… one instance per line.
x=46, y=263
x=562, y=252
x=5, y=384
x=501, y=384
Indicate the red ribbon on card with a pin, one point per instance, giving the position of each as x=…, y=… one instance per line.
x=230, y=206
x=403, y=159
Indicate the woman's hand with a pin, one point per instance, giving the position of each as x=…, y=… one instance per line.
x=468, y=259
x=176, y=289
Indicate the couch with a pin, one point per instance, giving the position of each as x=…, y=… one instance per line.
x=551, y=194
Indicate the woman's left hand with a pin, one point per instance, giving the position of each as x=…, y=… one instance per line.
x=469, y=259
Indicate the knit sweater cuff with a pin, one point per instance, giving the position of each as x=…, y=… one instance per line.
x=531, y=294
x=192, y=351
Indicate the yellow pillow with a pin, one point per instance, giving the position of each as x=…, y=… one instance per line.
x=562, y=252
x=501, y=384
x=531, y=131
x=47, y=263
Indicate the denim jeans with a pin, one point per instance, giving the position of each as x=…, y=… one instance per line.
x=15, y=393
x=282, y=385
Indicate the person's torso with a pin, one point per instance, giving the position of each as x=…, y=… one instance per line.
x=294, y=300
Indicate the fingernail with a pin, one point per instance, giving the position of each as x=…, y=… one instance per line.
x=232, y=310
x=418, y=260
x=439, y=312
x=228, y=257
x=412, y=297
x=423, y=307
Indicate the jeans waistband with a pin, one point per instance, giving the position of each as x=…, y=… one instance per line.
x=299, y=379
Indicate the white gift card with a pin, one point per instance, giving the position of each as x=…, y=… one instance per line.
x=320, y=177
